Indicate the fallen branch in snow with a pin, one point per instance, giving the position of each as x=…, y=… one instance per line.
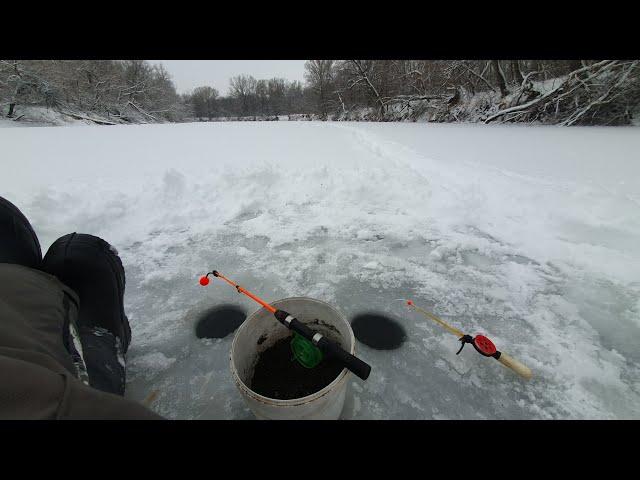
x=604, y=98
x=142, y=111
x=580, y=92
x=415, y=98
x=94, y=120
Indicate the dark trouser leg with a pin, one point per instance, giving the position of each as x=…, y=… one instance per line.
x=18, y=242
x=92, y=268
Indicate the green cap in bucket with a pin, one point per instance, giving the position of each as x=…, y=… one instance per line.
x=305, y=352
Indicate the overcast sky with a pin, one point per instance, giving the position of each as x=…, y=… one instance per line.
x=188, y=74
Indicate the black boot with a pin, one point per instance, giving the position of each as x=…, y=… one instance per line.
x=92, y=268
x=18, y=242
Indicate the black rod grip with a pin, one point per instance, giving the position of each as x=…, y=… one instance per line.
x=351, y=362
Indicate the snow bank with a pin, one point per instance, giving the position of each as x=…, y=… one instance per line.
x=529, y=235
x=30, y=116
x=39, y=116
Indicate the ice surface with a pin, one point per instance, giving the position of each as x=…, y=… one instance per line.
x=530, y=235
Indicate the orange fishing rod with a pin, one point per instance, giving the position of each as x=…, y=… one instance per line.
x=204, y=281
x=329, y=347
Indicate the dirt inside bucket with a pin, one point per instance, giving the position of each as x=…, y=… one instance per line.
x=278, y=375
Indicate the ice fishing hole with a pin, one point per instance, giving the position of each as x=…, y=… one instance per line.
x=378, y=331
x=220, y=321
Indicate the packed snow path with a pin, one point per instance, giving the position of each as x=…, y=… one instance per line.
x=530, y=235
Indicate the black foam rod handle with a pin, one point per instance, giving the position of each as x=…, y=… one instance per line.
x=350, y=362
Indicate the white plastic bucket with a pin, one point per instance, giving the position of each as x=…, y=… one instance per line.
x=261, y=330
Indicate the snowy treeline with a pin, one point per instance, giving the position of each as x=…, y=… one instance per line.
x=249, y=98
x=566, y=92
x=557, y=92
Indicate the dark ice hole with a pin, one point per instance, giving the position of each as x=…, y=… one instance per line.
x=220, y=321
x=378, y=331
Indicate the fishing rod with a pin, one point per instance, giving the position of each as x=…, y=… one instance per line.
x=351, y=362
x=482, y=344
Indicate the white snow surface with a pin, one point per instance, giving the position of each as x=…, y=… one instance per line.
x=530, y=235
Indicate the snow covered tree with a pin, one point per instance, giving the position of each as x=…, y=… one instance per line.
x=319, y=76
x=499, y=76
x=203, y=100
x=243, y=88
x=276, y=88
x=262, y=96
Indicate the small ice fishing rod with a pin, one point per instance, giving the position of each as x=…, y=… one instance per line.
x=352, y=363
x=482, y=344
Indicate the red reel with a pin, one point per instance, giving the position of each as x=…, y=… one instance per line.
x=484, y=346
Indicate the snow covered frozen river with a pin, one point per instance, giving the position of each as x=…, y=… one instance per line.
x=530, y=235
